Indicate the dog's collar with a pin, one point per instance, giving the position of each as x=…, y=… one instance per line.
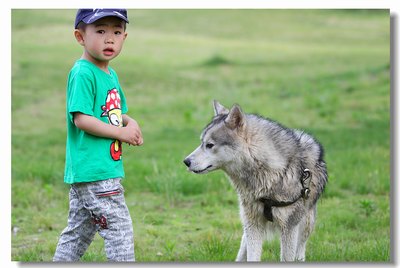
x=305, y=192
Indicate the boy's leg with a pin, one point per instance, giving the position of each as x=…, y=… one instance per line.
x=106, y=203
x=79, y=233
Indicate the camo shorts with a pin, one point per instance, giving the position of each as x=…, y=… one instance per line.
x=97, y=207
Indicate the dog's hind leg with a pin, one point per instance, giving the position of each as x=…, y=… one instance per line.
x=242, y=254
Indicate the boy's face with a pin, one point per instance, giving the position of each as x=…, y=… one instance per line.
x=102, y=39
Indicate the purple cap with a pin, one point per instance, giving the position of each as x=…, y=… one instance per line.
x=91, y=15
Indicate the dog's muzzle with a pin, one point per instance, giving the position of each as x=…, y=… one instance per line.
x=188, y=163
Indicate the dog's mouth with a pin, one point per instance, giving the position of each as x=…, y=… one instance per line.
x=202, y=170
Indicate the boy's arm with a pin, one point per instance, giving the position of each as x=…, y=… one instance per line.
x=98, y=128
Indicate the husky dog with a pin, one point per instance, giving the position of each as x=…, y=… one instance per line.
x=278, y=173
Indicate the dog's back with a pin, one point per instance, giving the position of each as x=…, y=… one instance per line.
x=284, y=153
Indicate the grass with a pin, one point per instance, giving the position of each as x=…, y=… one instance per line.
x=325, y=71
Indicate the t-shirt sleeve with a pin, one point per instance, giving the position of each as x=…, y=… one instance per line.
x=124, y=105
x=81, y=95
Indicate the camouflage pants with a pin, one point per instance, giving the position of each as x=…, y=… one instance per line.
x=97, y=207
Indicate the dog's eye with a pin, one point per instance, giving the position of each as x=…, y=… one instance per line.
x=209, y=145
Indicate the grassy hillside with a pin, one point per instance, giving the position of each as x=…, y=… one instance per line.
x=324, y=71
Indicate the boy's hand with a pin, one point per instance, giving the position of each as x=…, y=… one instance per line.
x=131, y=133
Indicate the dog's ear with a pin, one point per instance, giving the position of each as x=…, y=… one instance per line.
x=235, y=118
x=219, y=109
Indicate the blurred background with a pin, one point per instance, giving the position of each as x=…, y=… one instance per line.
x=324, y=71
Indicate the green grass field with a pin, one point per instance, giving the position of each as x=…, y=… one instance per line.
x=324, y=71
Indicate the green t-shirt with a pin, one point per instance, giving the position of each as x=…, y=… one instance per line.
x=93, y=92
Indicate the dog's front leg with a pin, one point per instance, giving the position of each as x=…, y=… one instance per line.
x=242, y=254
x=289, y=243
x=254, y=241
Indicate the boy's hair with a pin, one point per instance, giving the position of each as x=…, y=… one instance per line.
x=88, y=16
x=81, y=26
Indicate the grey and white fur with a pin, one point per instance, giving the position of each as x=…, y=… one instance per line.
x=264, y=160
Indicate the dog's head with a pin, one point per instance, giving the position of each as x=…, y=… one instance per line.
x=220, y=140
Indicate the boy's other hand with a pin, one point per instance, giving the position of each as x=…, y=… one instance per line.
x=131, y=133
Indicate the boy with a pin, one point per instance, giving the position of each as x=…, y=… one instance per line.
x=97, y=124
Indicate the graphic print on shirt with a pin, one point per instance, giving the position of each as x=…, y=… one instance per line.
x=112, y=110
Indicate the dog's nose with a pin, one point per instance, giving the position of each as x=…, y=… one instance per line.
x=187, y=162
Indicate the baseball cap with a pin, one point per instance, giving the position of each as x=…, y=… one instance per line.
x=91, y=15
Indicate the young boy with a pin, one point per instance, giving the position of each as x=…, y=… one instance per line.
x=97, y=124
